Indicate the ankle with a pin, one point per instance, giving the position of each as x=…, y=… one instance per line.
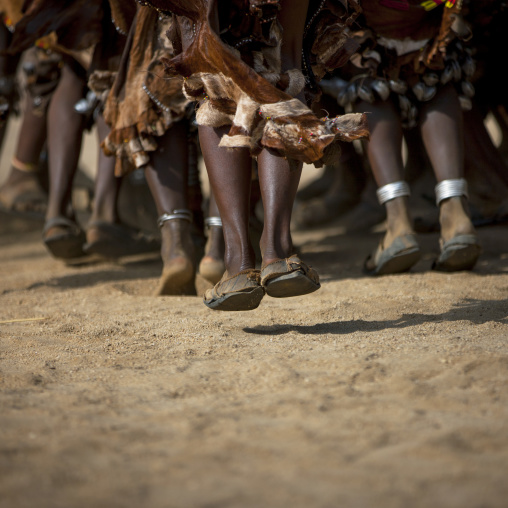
x=453, y=218
x=398, y=219
x=239, y=260
x=176, y=240
x=215, y=248
x=17, y=176
x=272, y=250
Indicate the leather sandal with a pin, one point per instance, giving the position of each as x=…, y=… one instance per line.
x=399, y=257
x=112, y=240
x=240, y=292
x=459, y=253
x=289, y=277
x=67, y=244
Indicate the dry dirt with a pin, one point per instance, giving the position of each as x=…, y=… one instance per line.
x=387, y=392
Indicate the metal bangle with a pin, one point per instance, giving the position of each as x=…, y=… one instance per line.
x=392, y=191
x=175, y=214
x=452, y=188
x=213, y=221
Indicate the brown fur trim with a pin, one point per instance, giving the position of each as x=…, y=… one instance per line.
x=237, y=141
x=292, y=107
x=246, y=112
x=211, y=117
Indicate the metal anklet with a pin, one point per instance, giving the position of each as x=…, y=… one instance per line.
x=392, y=191
x=175, y=214
x=453, y=188
x=213, y=221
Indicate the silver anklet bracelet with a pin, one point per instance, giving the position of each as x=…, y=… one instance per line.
x=213, y=221
x=392, y=191
x=175, y=214
x=453, y=188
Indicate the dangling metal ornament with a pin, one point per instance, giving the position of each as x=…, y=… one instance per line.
x=404, y=104
x=398, y=86
x=380, y=86
x=365, y=93
x=469, y=66
x=457, y=71
x=412, y=114
x=419, y=91
x=333, y=86
x=447, y=74
x=431, y=79
x=429, y=93
x=352, y=92
x=465, y=103
x=468, y=89
x=342, y=97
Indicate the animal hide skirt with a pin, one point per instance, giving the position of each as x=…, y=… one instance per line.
x=233, y=71
x=407, y=63
x=142, y=103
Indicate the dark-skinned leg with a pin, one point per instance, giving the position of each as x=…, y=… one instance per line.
x=278, y=181
x=211, y=267
x=230, y=175
x=63, y=237
x=230, y=178
x=8, y=93
x=22, y=190
x=283, y=274
x=441, y=126
x=229, y=172
x=107, y=186
x=398, y=250
x=166, y=175
x=106, y=236
x=65, y=132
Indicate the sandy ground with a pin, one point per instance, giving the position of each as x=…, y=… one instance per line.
x=388, y=392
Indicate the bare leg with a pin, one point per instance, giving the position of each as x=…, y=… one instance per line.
x=65, y=131
x=61, y=234
x=8, y=64
x=230, y=178
x=107, y=186
x=22, y=190
x=229, y=172
x=384, y=151
x=167, y=179
x=279, y=184
x=106, y=236
x=442, y=136
x=211, y=267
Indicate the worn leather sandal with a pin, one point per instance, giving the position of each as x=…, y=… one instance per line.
x=111, y=240
x=289, y=277
x=66, y=244
x=240, y=292
x=399, y=257
x=459, y=253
